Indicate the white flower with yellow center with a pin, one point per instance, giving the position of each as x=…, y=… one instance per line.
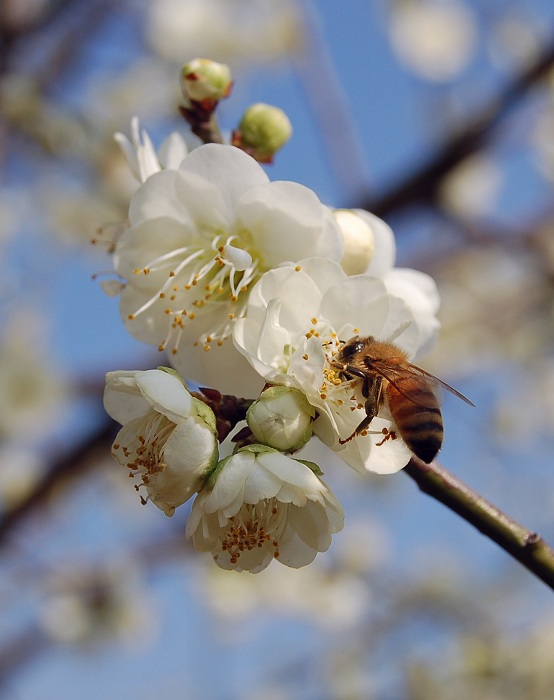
x=293, y=343
x=259, y=505
x=199, y=239
x=168, y=437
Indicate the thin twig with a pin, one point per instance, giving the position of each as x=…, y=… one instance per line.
x=526, y=546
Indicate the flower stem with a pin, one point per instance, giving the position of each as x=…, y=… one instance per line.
x=203, y=123
x=229, y=410
x=526, y=546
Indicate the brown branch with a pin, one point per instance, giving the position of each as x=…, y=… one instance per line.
x=203, y=122
x=524, y=545
x=422, y=184
x=88, y=454
x=84, y=456
x=228, y=410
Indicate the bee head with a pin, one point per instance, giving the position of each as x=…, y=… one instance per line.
x=353, y=347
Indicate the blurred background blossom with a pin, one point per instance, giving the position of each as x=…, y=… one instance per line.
x=436, y=115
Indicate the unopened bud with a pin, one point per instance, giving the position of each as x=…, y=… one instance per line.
x=359, y=244
x=205, y=81
x=369, y=245
x=281, y=418
x=262, y=131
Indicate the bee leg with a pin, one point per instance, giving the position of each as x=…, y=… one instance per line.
x=372, y=391
x=388, y=435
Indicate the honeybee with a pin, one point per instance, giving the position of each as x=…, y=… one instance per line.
x=409, y=392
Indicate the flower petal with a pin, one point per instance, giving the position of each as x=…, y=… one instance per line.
x=261, y=484
x=165, y=393
x=172, y=151
x=141, y=245
x=157, y=197
x=204, y=203
x=231, y=171
x=230, y=482
x=253, y=561
x=384, y=254
x=191, y=446
x=312, y=525
x=292, y=472
x=293, y=551
x=290, y=223
x=221, y=367
x=122, y=398
x=361, y=298
x=421, y=295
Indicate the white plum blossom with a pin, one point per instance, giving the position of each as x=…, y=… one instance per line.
x=298, y=317
x=141, y=156
x=370, y=248
x=168, y=436
x=259, y=505
x=199, y=238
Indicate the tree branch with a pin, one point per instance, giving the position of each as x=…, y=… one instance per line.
x=524, y=545
x=86, y=455
x=422, y=184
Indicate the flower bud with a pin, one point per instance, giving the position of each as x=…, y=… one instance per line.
x=281, y=418
x=262, y=131
x=359, y=241
x=206, y=81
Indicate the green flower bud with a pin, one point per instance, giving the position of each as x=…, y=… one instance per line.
x=281, y=418
x=205, y=81
x=262, y=131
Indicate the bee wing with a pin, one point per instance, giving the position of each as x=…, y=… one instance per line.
x=439, y=383
x=414, y=383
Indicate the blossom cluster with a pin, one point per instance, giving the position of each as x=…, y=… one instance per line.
x=252, y=287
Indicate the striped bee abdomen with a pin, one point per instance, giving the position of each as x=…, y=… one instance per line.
x=419, y=424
